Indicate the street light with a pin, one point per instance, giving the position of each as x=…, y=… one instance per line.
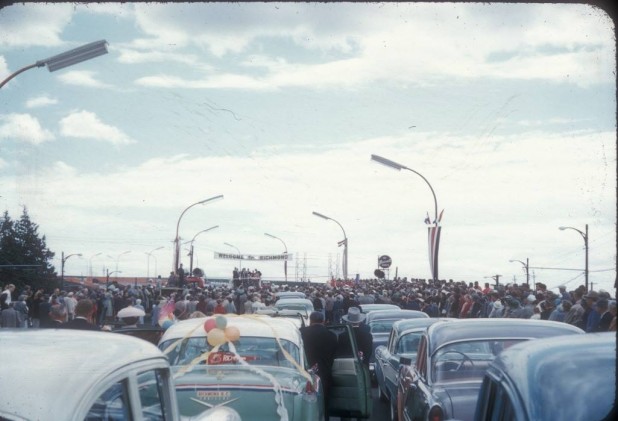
x=344, y=243
x=90, y=262
x=434, y=232
x=177, y=240
x=192, y=240
x=585, y=237
x=285, y=262
x=149, y=254
x=64, y=259
x=118, y=258
x=66, y=59
x=107, y=278
x=526, y=267
x=239, y=255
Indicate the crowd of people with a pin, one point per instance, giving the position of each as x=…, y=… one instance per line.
x=592, y=311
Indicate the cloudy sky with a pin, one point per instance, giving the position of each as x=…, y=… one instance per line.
x=508, y=110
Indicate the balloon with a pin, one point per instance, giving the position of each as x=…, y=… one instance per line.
x=209, y=325
x=167, y=323
x=232, y=333
x=221, y=322
x=216, y=337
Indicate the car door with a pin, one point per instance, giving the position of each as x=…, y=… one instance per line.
x=390, y=365
x=351, y=387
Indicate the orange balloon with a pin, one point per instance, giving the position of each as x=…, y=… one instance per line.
x=232, y=333
x=216, y=337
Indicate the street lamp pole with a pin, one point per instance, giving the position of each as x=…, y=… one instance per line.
x=63, y=261
x=526, y=267
x=239, y=254
x=344, y=242
x=192, y=240
x=66, y=59
x=285, y=262
x=90, y=262
x=107, y=277
x=118, y=258
x=149, y=254
x=585, y=237
x=177, y=239
x=434, y=241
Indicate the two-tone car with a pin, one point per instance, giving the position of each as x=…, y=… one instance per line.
x=256, y=365
x=380, y=323
x=452, y=359
x=402, y=345
x=62, y=374
x=301, y=306
x=566, y=378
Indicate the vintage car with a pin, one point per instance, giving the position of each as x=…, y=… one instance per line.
x=256, y=365
x=452, y=359
x=366, y=308
x=380, y=323
x=298, y=318
x=562, y=378
x=290, y=294
x=403, y=341
x=53, y=374
x=301, y=306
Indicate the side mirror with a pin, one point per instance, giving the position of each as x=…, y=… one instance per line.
x=405, y=361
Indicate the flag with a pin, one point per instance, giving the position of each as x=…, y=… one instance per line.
x=343, y=242
x=434, y=243
x=440, y=217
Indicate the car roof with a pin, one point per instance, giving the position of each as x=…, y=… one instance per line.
x=44, y=370
x=366, y=308
x=540, y=363
x=262, y=326
x=498, y=328
x=407, y=324
x=395, y=314
x=302, y=301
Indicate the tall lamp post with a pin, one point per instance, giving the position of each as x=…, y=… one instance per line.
x=192, y=240
x=90, y=262
x=239, y=254
x=177, y=239
x=107, y=277
x=526, y=268
x=285, y=262
x=66, y=59
x=64, y=259
x=585, y=237
x=344, y=243
x=118, y=258
x=149, y=254
x=434, y=231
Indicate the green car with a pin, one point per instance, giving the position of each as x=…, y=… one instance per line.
x=256, y=365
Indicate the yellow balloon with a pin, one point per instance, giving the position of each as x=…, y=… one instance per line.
x=232, y=333
x=216, y=337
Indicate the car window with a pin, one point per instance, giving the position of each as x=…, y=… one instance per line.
x=381, y=326
x=408, y=343
x=151, y=391
x=112, y=405
x=253, y=350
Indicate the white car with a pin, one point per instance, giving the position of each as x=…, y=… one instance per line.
x=301, y=306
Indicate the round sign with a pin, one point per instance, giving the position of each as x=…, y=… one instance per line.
x=379, y=274
x=385, y=262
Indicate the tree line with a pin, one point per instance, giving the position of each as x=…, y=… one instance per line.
x=25, y=258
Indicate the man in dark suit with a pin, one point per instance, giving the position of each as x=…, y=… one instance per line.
x=320, y=346
x=57, y=316
x=83, y=316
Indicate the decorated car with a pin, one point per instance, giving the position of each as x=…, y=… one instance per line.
x=550, y=379
x=402, y=344
x=380, y=323
x=452, y=359
x=255, y=364
x=62, y=374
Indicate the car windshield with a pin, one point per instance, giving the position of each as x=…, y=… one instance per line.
x=462, y=361
x=381, y=326
x=253, y=350
x=295, y=307
x=408, y=343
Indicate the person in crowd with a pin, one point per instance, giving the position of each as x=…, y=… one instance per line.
x=138, y=305
x=9, y=317
x=575, y=314
x=605, y=318
x=361, y=331
x=560, y=312
x=57, y=316
x=591, y=314
x=497, y=310
x=6, y=297
x=70, y=302
x=22, y=310
x=320, y=347
x=564, y=295
x=130, y=317
x=84, y=311
x=35, y=317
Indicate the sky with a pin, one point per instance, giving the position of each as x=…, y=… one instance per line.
x=507, y=110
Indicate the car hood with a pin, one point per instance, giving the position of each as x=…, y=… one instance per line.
x=250, y=393
x=462, y=398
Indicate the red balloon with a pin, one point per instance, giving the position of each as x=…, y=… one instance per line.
x=209, y=325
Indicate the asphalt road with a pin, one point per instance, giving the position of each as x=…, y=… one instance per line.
x=379, y=410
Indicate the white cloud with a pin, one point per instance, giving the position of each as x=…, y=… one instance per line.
x=34, y=24
x=23, y=127
x=40, y=101
x=87, y=125
x=82, y=78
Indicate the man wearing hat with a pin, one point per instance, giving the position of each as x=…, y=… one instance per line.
x=362, y=333
x=591, y=317
x=130, y=316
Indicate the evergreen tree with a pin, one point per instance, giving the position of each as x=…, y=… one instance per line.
x=24, y=256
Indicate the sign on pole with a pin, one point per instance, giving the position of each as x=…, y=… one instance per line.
x=384, y=262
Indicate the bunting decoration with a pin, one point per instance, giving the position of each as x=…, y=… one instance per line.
x=434, y=245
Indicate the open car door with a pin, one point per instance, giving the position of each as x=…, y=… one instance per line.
x=350, y=395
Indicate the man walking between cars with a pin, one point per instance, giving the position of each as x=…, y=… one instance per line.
x=320, y=346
